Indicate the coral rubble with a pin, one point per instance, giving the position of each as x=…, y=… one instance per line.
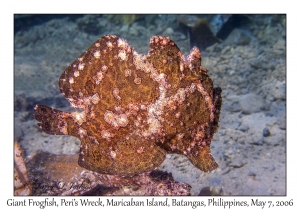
x=48, y=178
x=136, y=108
x=22, y=184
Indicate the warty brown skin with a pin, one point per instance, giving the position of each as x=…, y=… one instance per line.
x=134, y=109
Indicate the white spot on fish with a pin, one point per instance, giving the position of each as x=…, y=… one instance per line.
x=81, y=66
x=71, y=80
x=97, y=54
x=76, y=73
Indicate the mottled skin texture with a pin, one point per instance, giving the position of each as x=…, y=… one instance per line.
x=133, y=109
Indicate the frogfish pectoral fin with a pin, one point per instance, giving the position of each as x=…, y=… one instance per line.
x=203, y=160
x=52, y=121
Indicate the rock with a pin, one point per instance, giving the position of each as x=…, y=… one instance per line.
x=252, y=175
x=257, y=141
x=226, y=50
x=124, y=28
x=266, y=132
x=168, y=32
x=225, y=171
x=278, y=108
x=238, y=37
x=279, y=90
x=214, y=48
x=244, y=128
x=251, y=103
x=275, y=140
x=274, y=90
x=271, y=168
x=280, y=45
x=282, y=123
x=237, y=163
x=133, y=30
x=255, y=63
x=233, y=107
